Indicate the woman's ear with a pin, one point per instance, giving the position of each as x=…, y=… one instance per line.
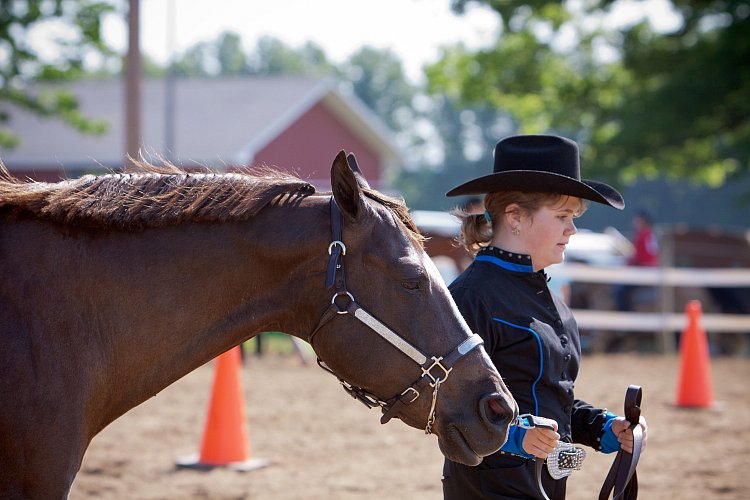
x=513, y=215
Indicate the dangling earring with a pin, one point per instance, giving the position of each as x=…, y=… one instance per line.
x=516, y=231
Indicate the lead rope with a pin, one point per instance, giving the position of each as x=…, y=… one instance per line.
x=529, y=421
x=622, y=477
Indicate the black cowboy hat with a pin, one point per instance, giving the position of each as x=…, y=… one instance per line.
x=539, y=163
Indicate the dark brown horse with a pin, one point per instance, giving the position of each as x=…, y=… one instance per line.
x=113, y=287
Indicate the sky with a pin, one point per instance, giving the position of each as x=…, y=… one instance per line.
x=414, y=29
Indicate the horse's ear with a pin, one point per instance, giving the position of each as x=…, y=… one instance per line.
x=352, y=161
x=346, y=190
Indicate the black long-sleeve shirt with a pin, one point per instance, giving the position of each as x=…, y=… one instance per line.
x=531, y=337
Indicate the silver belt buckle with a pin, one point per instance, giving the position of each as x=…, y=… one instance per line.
x=564, y=460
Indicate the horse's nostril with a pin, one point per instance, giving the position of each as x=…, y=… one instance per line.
x=495, y=406
x=494, y=409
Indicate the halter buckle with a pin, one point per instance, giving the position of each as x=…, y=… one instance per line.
x=361, y=395
x=414, y=398
x=339, y=244
x=436, y=380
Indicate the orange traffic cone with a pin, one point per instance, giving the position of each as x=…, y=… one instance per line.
x=225, y=442
x=695, y=389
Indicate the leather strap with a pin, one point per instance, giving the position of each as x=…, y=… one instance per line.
x=622, y=477
x=540, y=462
x=335, y=272
x=435, y=370
x=539, y=474
x=395, y=406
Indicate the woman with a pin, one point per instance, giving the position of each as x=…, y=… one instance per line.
x=531, y=199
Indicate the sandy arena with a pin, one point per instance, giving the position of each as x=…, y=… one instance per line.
x=324, y=445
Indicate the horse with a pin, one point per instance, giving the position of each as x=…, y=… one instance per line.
x=112, y=287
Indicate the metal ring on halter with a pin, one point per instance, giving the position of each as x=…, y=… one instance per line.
x=337, y=295
x=436, y=380
x=339, y=243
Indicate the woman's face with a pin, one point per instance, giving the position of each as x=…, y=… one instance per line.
x=546, y=233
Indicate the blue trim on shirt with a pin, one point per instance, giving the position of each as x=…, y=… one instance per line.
x=521, y=268
x=541, y=359
x=514, y=444
x=609, y=441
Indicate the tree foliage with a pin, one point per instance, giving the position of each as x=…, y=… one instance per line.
x=377, y=78
x=25, y=58
x=687, y=111
x=226, y=56
x=670, y=104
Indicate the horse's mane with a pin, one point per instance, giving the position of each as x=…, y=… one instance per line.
x=158, y=196
x=400, y=210
x=150, y=196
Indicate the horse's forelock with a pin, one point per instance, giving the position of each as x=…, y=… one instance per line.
x=151, y=196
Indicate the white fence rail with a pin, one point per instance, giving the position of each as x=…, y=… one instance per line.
x=665, y=279
x=658, y=276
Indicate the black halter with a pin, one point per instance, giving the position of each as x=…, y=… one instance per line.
x=343, y=302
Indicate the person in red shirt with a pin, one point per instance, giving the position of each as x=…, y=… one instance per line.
x=646, y=254
x=646, y=244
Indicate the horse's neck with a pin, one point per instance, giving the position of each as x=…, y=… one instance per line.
x=159, y=303
x=236, y=281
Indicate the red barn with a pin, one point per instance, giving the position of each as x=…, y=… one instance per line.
x=295, y=123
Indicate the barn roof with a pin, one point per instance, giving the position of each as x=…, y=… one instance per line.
x=217, y=122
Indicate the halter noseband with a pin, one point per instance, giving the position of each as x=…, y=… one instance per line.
x=435, y=370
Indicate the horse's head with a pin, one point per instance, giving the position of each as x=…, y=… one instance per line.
x=392, y=333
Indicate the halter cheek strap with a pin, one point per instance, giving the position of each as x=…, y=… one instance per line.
x=435, y=370
x=428, y=379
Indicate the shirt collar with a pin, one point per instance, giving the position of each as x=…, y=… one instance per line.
x=507, y=260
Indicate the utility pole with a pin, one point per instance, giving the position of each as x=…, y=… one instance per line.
x=133, y=73
x=169, y=88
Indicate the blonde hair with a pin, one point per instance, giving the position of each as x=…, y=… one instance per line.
x=477, y=230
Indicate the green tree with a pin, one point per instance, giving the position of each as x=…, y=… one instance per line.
x=196, y=61
x=377, y=78
x=465, y=137
x=671, y=103
x=231, y=57
x=687, y=111
x=274, y=57
x=25, y=61
x=226, y=56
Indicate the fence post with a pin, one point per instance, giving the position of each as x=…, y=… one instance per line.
x=666, y=292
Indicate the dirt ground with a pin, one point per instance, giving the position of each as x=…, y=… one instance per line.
x=324, y=445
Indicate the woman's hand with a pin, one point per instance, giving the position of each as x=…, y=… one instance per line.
x=539, y=441
x=624, y=434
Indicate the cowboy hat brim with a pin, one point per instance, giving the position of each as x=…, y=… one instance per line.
x=544, y=182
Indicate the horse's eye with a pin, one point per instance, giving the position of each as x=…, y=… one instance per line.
x=410, y=285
